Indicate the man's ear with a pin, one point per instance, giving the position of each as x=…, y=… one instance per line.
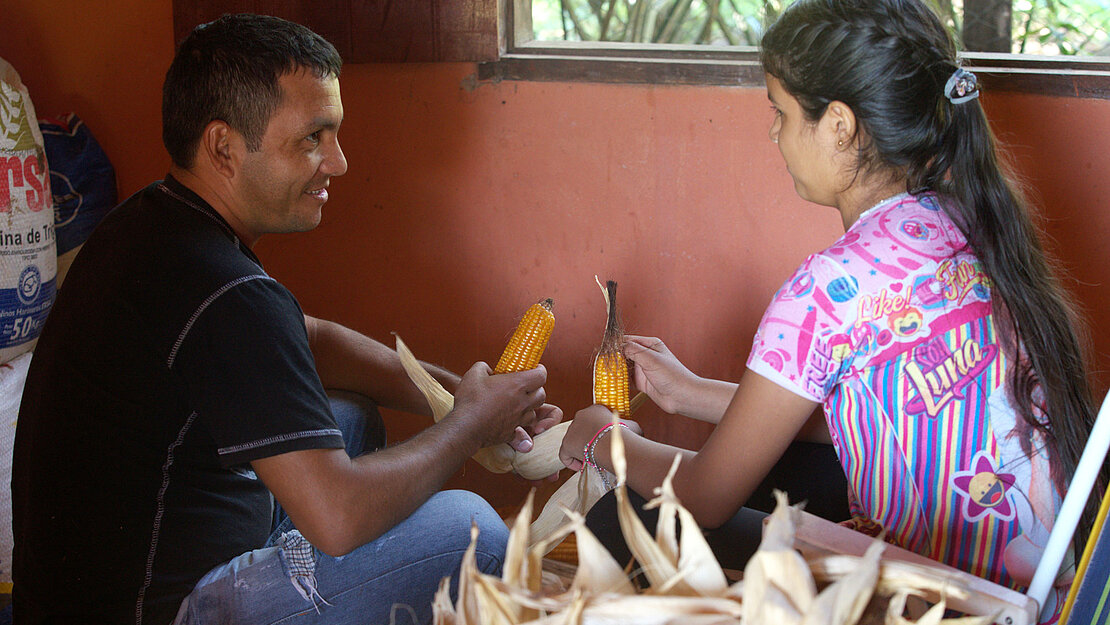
x=218, y=148
x=840, y=121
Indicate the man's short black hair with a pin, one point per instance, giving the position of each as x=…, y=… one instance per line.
x=228, y=69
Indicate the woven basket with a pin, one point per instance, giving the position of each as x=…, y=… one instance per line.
x=566, y=551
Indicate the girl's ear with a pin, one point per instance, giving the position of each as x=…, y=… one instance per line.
x=839, y=121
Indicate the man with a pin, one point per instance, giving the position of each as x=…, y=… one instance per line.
x=177, y=391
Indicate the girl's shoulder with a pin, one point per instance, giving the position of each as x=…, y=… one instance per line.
x=907, y=230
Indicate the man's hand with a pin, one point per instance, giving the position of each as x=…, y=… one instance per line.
x=546, y=417
x=494, y=407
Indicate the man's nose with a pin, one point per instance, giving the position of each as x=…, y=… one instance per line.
x=336, y=163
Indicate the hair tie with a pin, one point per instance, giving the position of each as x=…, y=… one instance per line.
x=961, y=86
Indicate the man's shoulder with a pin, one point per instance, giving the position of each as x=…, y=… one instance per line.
x=162, y=240
x=155, y=264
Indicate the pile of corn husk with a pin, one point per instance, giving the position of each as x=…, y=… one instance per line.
x=685, y=582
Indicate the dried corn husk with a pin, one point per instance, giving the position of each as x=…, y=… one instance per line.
x=698, y=568
x=443, y=613
x=844, y=601
x=778, y=586
x=543, y=460
x=656, y=564
x=597, y=570
x=895, y=575
x=579, y=493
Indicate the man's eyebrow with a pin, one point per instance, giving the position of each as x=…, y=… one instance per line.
x=322, y=123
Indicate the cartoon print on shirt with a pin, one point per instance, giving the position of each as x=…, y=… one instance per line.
x=895, y=318
x=843, y=289
x=864, y=338
x=851, y=251
x=961, y=277
x=907, y=323
x=940, y=374
x=985, y=490
x=920, y=237
x=928, y=292
x=801, y=286
x=831, y=360
x=777, y=358
x=883, y=304
x=915, y=229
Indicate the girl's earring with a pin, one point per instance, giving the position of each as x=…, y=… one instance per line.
x=841, y=142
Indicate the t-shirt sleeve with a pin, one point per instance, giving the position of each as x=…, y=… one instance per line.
x=801, y=343
x=251, y=375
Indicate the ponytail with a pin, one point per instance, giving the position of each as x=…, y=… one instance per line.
x=998, y=226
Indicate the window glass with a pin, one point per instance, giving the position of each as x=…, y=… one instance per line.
x=1045, y=27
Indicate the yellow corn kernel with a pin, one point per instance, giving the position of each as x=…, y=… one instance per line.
x=529, y=340
x=611, y=382
x=610, y=366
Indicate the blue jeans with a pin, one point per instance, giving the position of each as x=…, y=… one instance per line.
x=391, y=580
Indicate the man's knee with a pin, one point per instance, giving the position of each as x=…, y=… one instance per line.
x=457, y=510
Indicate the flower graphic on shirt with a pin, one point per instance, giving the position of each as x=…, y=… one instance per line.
x=985, y=490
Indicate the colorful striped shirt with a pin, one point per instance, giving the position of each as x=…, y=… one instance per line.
x=892, y=329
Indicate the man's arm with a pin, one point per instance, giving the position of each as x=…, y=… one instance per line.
x=339, y=503
x=348, y=360
x=351, y=361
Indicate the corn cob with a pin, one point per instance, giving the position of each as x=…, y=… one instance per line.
x=541, y=462
x=610, y=366
x=528, y=342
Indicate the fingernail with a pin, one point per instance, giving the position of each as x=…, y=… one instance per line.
x=525, y=445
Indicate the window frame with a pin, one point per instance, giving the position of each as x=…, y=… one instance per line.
x=523, y=58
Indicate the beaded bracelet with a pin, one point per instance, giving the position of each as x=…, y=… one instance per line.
x=588, y=451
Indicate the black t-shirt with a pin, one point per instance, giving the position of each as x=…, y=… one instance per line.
x=169, y=361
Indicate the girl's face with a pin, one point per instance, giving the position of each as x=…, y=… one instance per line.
x=808, y=148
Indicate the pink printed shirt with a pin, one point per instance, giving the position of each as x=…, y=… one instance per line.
x=891, y=329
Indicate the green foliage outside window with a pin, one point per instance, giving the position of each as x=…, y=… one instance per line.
x=1052, y=27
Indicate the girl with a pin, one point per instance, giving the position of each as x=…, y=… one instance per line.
x=932, y=333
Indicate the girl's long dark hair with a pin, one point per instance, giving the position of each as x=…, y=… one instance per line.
x=889, y=61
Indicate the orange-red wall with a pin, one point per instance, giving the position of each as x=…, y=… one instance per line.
x=465, y=202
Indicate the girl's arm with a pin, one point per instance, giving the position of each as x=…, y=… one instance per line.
x=760, y=422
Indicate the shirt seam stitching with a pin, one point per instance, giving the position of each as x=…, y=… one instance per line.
x=160, y=509
x=200, y=310
x=281, y=438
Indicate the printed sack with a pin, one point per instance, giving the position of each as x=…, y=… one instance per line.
x=28, y=254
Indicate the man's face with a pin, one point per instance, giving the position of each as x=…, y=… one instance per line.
x=283, y=185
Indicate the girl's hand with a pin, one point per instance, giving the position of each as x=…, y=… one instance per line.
x=586, y=424
x=658, y=373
